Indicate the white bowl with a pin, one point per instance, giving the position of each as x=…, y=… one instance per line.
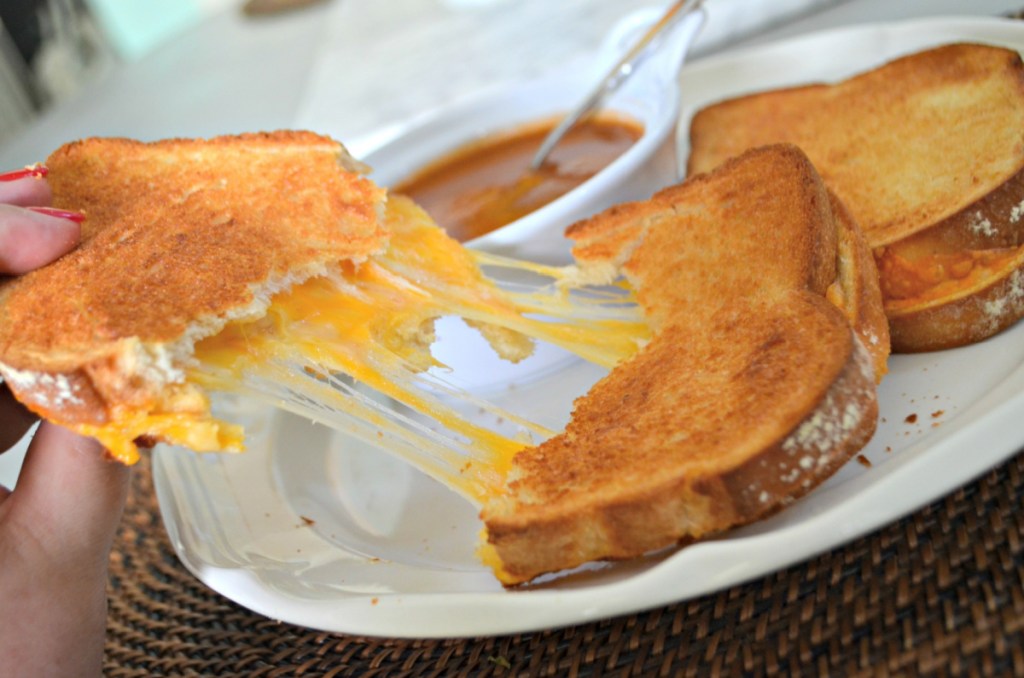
x=650, y=96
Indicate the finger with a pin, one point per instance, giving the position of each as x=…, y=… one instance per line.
x=70, y=492
x=30, y=239
x=24, y=187
x=15, y=420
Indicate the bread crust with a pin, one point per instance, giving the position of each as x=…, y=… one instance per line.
x=850, y=130
x=856, y=290
x=180, y=237
x=689, y=503
x=752, y=390
x=994, y=221
x=915, y=193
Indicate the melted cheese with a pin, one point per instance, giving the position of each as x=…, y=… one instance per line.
x=196, y=431
x=908, y=283
x=372, y=324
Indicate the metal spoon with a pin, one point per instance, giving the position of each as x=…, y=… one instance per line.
x=613, y=79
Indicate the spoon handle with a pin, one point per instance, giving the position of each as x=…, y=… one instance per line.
x=618, y=74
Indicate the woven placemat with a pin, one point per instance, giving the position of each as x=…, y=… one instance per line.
x=941, y=591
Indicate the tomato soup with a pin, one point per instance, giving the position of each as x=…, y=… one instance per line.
x=488, y=183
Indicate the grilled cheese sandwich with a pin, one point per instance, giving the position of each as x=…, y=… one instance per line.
x=757, y=384
x=927, y=152
x=738, y=314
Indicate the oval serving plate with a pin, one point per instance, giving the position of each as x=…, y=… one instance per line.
x=311, y=528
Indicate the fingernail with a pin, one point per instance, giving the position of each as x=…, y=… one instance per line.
x=35, y=171
x=76, y=217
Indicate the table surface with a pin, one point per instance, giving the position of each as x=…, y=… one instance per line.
x=941, y=590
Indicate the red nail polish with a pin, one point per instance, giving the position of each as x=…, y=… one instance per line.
x=76, y=217
x=35, y=171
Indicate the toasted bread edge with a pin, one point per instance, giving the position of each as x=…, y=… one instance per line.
x=829, y=436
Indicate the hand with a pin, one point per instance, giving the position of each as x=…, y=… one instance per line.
x=58, y=525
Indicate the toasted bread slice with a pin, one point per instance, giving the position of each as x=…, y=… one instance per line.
x=265, y=265
x=753, y=389
x=180, y=237
x=927, y=152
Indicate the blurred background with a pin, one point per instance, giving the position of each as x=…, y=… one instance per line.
x=350, y=68
x=47, y=48
x=52, y=49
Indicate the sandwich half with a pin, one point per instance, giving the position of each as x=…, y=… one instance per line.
x=927, y=152
x=180, y=238
x=757, y=384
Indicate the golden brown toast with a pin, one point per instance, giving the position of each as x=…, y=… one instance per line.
x=180, y=237
x=927, y=152
x=753, y=389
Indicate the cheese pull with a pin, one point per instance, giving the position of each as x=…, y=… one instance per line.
x=340, y=349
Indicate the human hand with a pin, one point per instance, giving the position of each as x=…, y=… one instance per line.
x=58, y=524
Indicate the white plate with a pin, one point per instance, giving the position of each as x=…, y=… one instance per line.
x=650, y=97
x=308, y=528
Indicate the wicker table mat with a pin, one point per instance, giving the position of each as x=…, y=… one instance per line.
x=941, y=591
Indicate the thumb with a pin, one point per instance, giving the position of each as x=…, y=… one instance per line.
x=71, y=493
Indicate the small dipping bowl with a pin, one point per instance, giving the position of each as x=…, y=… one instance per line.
x=650, y=97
